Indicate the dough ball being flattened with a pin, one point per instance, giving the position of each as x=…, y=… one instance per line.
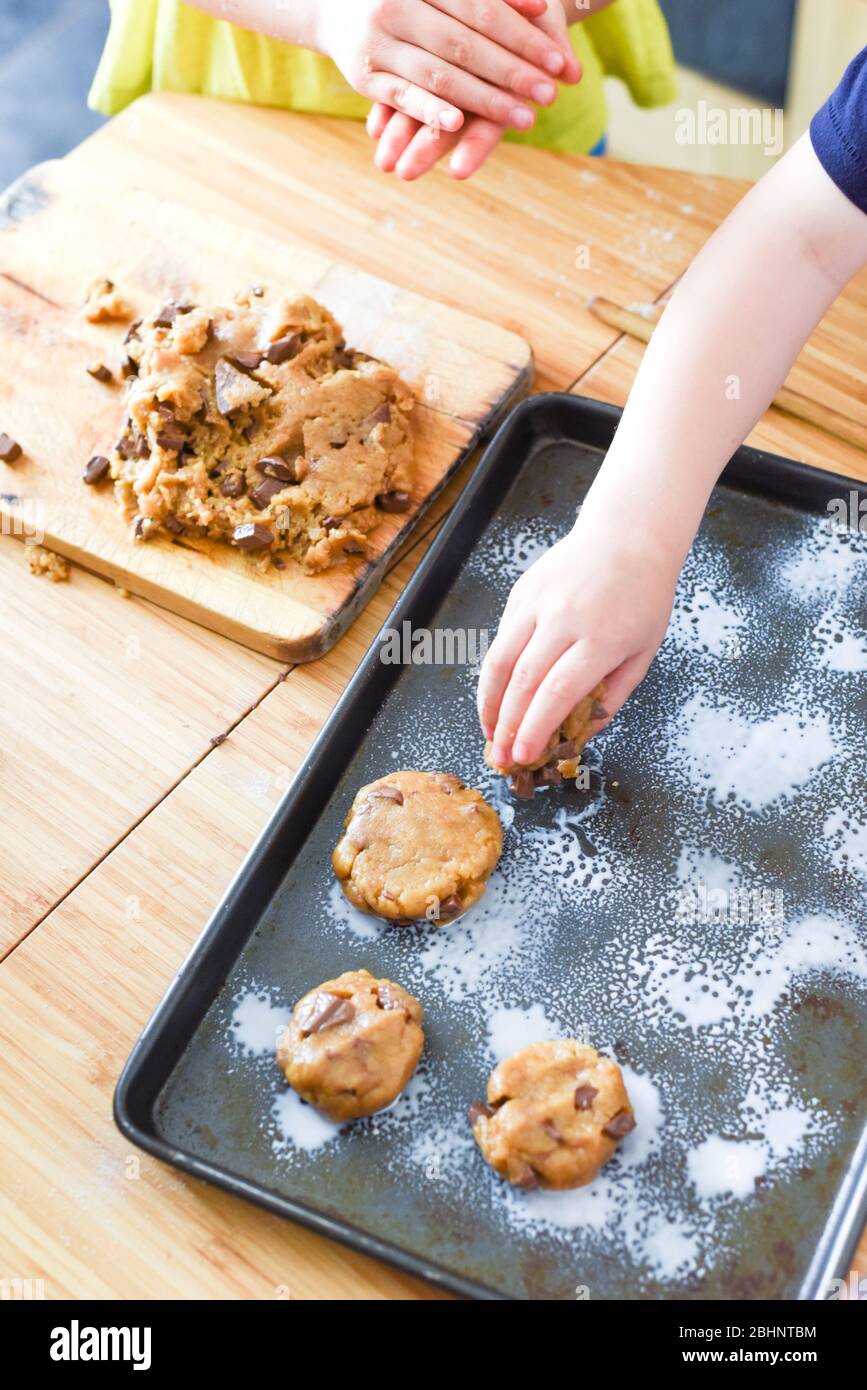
x=417, y=845
x=556, y=1112
x=352, y=1044
x=561, y=756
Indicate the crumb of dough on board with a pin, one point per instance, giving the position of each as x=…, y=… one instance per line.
x=47, y=563
x=104, y=302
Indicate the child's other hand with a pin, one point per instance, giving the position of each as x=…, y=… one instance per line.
x=433, y=60
x=592, y=608
x=410, y=148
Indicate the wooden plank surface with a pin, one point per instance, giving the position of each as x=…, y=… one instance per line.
x=65, y=228
x=85, y=1213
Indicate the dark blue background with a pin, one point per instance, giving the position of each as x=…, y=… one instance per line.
x=49, y=50
x=743, y=43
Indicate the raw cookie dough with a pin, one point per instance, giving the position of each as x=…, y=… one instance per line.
x=352, y=1044
x=47, y=562
x=556, y=1112
x=256, y=425
x=562, y=753
x=104, y=302
x=417, y=845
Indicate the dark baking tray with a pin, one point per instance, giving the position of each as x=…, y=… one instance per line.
x=407, y=1186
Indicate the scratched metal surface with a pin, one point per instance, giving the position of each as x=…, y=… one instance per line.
x=743, y=1044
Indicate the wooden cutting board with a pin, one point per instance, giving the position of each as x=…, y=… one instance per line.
x=59, y=229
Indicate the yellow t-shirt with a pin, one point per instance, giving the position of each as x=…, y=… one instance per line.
x=164, y=45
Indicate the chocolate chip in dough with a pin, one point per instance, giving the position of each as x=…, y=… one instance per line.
x=450, y=905
x=262, y=495
x=284, y=349
x=395, y=501
x=325, y=1011
x=386, y=793
x=477, y=1110
x=276, y=466
x=619, y=1125
x=128, y=368
x=252, y=535
x=380, y=416
x=10, y=450
x=523, y=784
x=247, y=361
x=95, y=470
x=233, y=485
x=100, y=372
x=585, y=1096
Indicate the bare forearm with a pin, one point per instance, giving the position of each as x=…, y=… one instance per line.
x=725, y=344
x=296, y=22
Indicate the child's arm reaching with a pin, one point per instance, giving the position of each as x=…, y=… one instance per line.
x=431, y=59
x=596, y=606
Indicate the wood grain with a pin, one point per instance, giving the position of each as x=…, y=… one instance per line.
x=86, y=1213
x=465, y=373
x=75, y=994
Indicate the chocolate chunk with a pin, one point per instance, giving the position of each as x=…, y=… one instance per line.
x=324, y=1011
x=598, y=711
x=128, y=368
x=386, y=793
x=527, y=1178
x=277, y=467
x=548, y=776
x=268, y=488
x=619, y=1125
x=343, y=358
x=132, y=333
x=396, y=501
x=247, y=361
x=233, y=485
x=99, y=371
x=567, y=749
x=171, y=439
x=450, y=783
x=234, y=388
x=584, y=1096
x=141, y=449
x=143, y=528
x=283, y=349
x=380, y=416
x=10, y=450
x=477, y=1109
x=523, y=784
x=169, y=312
x=95, y=470
x=331, y=523
x=450, y=905
x=172, y=524
x=252, y=536
x=125, y=447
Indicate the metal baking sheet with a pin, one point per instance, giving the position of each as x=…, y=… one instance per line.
x=698, y=912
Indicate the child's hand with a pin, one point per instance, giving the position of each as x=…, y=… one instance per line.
x=435, y=59
x=411, y=148
x=592, y=608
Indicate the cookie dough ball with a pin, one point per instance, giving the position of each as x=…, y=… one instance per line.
x=561, y=756
x=352, y=1044
x=556, y=1112
x=417, y=845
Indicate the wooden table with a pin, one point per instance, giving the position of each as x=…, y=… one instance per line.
x=140, y=755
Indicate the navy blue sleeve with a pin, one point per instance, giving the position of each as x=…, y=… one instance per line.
x=839, y=133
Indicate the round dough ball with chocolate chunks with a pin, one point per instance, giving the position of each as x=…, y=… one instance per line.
x=417, y=845
x=561, y=756
x=352, y=1044
x=555, y=1113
